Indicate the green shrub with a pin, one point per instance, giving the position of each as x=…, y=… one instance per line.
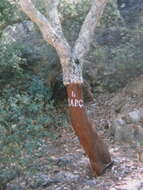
x=27, y=117
x=10, y=62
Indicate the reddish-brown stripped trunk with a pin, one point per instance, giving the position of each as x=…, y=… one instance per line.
x=93, y=145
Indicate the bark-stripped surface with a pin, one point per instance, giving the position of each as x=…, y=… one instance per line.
x=71, y=62
x=93, y=145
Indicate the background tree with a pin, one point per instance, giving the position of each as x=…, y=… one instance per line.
x=71, y=60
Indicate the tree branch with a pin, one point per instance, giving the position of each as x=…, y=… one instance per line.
x=82, y=44
x=38, y=18
x=53, y=15
x=28, y=7
x=51, y=35
x=49, y=32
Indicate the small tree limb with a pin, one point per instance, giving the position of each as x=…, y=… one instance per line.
x=29, y=9
x=83, y=42
x=53, y=15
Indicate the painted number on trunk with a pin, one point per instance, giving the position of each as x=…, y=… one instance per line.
x=73, y=102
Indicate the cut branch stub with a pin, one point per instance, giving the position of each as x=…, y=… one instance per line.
x=93, y=145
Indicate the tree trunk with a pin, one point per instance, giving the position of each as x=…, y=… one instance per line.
x=93, y=145
x=72, y=63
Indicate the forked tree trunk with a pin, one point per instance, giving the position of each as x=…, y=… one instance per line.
x=93, y=145
x=71, y=62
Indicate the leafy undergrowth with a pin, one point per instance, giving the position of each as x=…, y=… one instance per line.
x=27, y=118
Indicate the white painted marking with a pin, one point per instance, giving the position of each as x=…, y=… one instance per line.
x=75, y=102
x=80, y=103
x=73, y=94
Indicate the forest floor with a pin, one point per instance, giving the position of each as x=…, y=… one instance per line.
x=64, y=166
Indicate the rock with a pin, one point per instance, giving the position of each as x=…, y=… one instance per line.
x=65, y=176
x=91, y=114
x=63, y=162
x=42, y=180
x=127, y=127
x=138, y=133
x=68, y=159
x=134, y=116
x=121, y=131
x=91, y=183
